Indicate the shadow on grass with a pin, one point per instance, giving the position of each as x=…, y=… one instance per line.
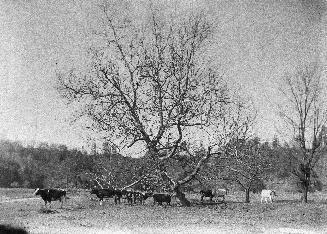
x=48, y=211
x=287, y=201
x=296, y=201
x=208, y=203
x=8, y=229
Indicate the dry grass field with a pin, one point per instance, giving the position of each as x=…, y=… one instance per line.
x=82, y=214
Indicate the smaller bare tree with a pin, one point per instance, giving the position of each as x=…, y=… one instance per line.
x=248, y=164
x=243, y=159
x=305, y=114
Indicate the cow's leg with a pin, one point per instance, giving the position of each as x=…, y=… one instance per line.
x=202, y=198
x=61, y=201
x=117, y=199
x=261, y=200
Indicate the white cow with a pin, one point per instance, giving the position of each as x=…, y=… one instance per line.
x=267, y=195
x=221, y=193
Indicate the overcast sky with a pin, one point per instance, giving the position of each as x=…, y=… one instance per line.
x=256, y=43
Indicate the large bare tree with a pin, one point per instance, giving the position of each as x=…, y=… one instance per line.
x=150, y=83
x=305, y=114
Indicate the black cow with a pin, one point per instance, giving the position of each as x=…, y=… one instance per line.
x=142, y=196
x=49, y=195
x=107, y=193
x=161, y=197
x=118, y=195
x=207, y=193
x=131, y=198
x=129, y=195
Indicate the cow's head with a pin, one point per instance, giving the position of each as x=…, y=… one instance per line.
x=273, y=193
x=94, y=191
x=148, y=194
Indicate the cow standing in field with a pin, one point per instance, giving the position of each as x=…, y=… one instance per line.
x=107, y=193
x=216, y=193
x=267, y=195
x=160, y=198
x=221, y=193
x=49, y=195
x=207, y=193
x=142, y=196
x=128, y=195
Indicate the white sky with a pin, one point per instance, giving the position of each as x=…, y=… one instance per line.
x=257, y=42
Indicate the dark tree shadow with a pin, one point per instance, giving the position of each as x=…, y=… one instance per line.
x=48, y=211
x=8, y=229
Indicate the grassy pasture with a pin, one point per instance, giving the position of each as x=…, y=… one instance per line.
x=82, y=214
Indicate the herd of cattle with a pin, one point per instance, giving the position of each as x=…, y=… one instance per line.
x=133, y=197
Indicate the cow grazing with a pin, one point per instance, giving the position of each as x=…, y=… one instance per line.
x=107, y=193
x=161, y=197
x=267, y=195
x=134, y=196
x=118, y=195
x=128, y=195
x=221, y=193
x=49, y=195
x=207, y=193
x=142, y=196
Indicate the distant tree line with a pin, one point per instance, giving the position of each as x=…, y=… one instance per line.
x=54, y=165
x=41, y=165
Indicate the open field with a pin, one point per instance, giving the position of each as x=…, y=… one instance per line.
x=81, y=214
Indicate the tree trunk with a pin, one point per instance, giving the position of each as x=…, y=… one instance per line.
x=304, y=197
x=247, y=195
x=177, y=185
x=181, y=197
